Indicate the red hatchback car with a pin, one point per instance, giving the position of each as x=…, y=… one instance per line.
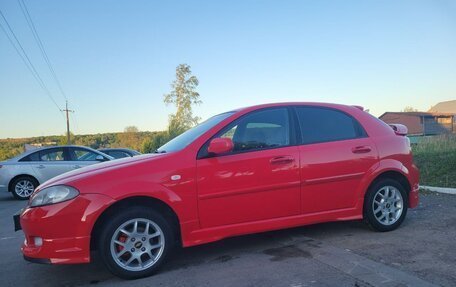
x=250, y=170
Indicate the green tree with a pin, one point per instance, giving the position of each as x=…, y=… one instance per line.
x=183, y=95
x=129, y=138
x=409, y=109
x=131, y=129
x=62, y=140
x=154, y=142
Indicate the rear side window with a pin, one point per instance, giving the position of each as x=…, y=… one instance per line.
x=31, y=157
x=52, y=155
x=325, y=125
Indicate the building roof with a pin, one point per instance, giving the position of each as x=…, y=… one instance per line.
x=419, y=114
x=444, y=107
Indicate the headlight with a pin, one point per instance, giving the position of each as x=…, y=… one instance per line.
x=52, y=195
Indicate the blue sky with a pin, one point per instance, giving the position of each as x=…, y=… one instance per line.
x=116, y=59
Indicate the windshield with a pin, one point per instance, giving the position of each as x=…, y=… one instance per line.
x=189, y=136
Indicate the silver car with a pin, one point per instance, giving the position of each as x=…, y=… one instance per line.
x=22, y=174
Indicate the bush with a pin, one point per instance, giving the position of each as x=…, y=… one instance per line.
x=436, y=158
x=157, y=140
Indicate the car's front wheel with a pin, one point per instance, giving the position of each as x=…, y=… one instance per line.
x=23, y=187
x=135, y=242
x=385, y=205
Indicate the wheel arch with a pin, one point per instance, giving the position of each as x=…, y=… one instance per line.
x=10, y=183
x=144, y=201
x=395, y=175
x=391, y=174
x=389, y=168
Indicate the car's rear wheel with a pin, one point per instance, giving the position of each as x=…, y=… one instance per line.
x=135, y=242
x=385, y=205
x=23, y=187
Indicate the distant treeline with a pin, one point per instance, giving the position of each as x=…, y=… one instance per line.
x=144, y=142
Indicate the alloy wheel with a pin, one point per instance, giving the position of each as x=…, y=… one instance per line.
x=24, y=188
x=137, y=244
x=387, y=205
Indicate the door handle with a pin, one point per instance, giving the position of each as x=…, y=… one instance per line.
x=282, y=160
x=40, y=166
x=362, y=149
x=76, y=166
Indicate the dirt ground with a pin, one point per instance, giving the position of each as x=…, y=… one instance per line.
x=422, y=252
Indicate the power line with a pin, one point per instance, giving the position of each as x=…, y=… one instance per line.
x=18, y=47
x=40, y=44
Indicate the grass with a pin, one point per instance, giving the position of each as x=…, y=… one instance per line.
x=436, y=158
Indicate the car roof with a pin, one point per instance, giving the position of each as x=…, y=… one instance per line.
x=280, y=104
x=115, y=148
x=127, y=150
x=26, y=153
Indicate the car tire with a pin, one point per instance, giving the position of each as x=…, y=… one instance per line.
x=124, y=242
x=23, y=187
x=385, y=205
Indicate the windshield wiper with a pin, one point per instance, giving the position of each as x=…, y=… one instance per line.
x=159, y=151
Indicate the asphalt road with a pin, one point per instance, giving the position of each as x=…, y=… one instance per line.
x=422, y=252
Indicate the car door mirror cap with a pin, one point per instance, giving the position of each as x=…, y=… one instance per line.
x=220, y=146
x=100, y=158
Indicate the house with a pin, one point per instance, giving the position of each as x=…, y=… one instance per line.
x=440, y=119
x=444, y=107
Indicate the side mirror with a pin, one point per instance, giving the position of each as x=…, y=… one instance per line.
x=100, y=158
x=220, y=145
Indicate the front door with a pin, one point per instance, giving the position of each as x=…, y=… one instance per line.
x=81, y=157
x=258, y=180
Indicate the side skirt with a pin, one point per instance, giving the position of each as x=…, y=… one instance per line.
x=211, y=234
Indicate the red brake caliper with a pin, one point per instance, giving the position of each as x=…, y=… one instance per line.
x=122, y=239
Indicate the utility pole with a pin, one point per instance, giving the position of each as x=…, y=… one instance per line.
x=66, y=110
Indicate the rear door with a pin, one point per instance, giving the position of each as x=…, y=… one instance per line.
x=51, y=162
x=335, y=154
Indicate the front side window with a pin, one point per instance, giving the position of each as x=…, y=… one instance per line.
x=259, y=130
x=325, y=125
x=80, y=154
x=190, y=135
x=52, y=155
x=118, y=154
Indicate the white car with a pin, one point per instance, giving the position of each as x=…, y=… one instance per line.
x=22, y=174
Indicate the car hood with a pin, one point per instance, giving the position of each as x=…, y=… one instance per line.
x=99, y=167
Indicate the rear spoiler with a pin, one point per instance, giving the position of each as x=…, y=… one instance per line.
x=359, y=107
x=399, y=129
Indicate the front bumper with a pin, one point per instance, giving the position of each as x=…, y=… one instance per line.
x=60, y=233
